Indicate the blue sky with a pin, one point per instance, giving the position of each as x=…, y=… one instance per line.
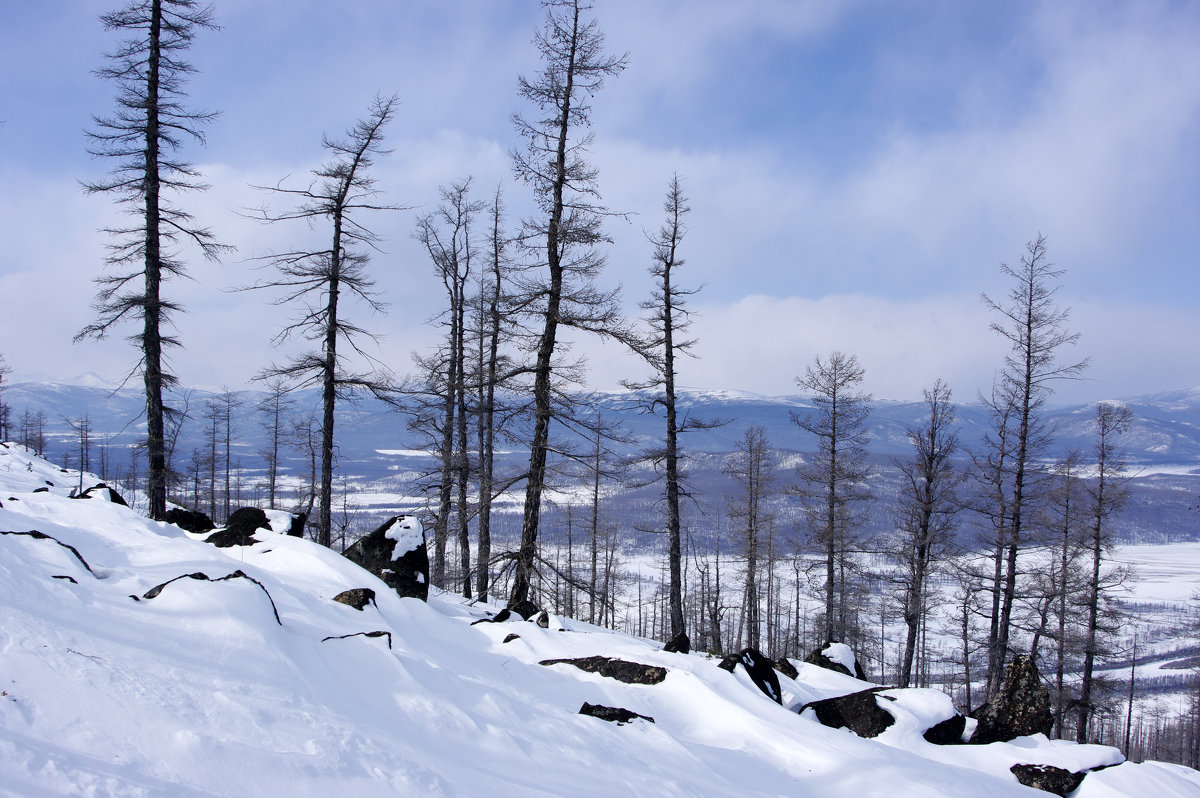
x=857, y=173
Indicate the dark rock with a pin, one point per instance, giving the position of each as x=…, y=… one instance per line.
x=499, y=617
x=189, y=520
x=680, y=644
x=511, y=637
x=619, y=669
x=761, y=670
x=101, y=491
x=296, y=530
x=358, y=597
x=1021, y=708
x=859, y=712
x=785, y=666
x=820, y=660
x=525, y=608
x=41, y=490
x=240, y=528
x=1048, y=777
x=617, y=715
x=542, y=619
x=947, y=732
x=407, y=571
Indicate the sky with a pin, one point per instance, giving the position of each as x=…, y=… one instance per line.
x=857, y=173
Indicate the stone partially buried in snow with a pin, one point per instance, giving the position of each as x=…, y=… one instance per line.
x=358, y=597
x=240, y=528
x=189, y=520
x=1048, y=777
x=759, y=667
x=620, y=669
x=859, y=712
x=395, y=552
x=1021, y=708
x=101, y=491
x=837, y=657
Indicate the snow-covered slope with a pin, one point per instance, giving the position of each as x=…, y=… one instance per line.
x=245, y=686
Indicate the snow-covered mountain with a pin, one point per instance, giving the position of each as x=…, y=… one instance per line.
x=266, y=686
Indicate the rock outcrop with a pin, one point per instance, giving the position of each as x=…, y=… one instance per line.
x=1021, y=708
x=620, y=669
x=859, y=712
x=189, y=520
x=833, y=657
x=1048, y=777
x=396, y=553
x=617, y=715
x=761, y=671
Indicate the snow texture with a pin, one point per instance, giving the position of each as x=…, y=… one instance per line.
x=408, y=534
x=841, y=654
x=199, y=692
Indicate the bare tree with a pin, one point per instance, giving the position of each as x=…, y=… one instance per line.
x=926, y=514
x=569, y=226
x=669, y=322
x=275, y=406
x=1107, y=495
x=752, y=467
x=833, y=481
x=142, y=136
x=5, y=409
x=321, y=279
x=1035, y=327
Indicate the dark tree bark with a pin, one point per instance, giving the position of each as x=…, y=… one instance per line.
x=148, y=126
x=569, y=225
x=318, y=279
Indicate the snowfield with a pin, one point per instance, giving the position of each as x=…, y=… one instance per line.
x=265, y=686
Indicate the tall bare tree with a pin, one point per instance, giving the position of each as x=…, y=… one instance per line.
x=752, y=467
x=1036, y=329
x=833, y=480
x=274, y=406
x=927, y=509
x=5, y=409
x=1107, y=496
x=321, y=279
x=144, y=136
x=567, y=228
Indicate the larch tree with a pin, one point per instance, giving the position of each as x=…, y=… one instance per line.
x=1106, y=495
x=274, y=407
x=833, y=481
x=669, y=322
x=5, y=409
x=1035, y=327
x=320, y=280
x=752, y=467
x=143, y=137
x=928, y=505
x=565, y=232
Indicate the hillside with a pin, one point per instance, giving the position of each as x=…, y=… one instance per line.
x=247, y=687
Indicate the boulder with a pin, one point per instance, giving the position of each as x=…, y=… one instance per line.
x=525, y=608
x=358, y=597
x=396, y=553
x=500, y=617
x=760, y=668
x=240, y=528
x=511, y=637
x=542, y=619
x=785, y=666
x=946, y=732
x=1048, y=777
x=679, y=644
x=296, y=530
x=859, y=712
x=619, y=669
x=833, y=657
x=617, y=715
x=1021, y=708
x=189, y=520
x=101, y=491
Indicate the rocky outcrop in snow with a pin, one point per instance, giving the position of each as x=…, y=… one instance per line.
x=396, y=553
x=1021, y=708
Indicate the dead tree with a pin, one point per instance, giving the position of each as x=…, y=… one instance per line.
x=143, y=137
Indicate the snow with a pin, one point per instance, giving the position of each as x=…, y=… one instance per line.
x=200, y=692
x=408, y=534
x=841, y=654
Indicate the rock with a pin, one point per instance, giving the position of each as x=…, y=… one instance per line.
x=619, y=669
x=189, y=520
x=946, y=732
x=542, y=619
x=821, y=659
x=1021, y=708
x=1048, y=777
x=617, y=715
x=396, y=553
x=240, y=528
x=511, y=637
x=499, y=617
x=761, y=670
x=101, y=491
x=296, y=530
x=41, y=490
x=525, y=608
x=358, y=597
x=785, y=666
x=680, y=644
x=859, y=712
